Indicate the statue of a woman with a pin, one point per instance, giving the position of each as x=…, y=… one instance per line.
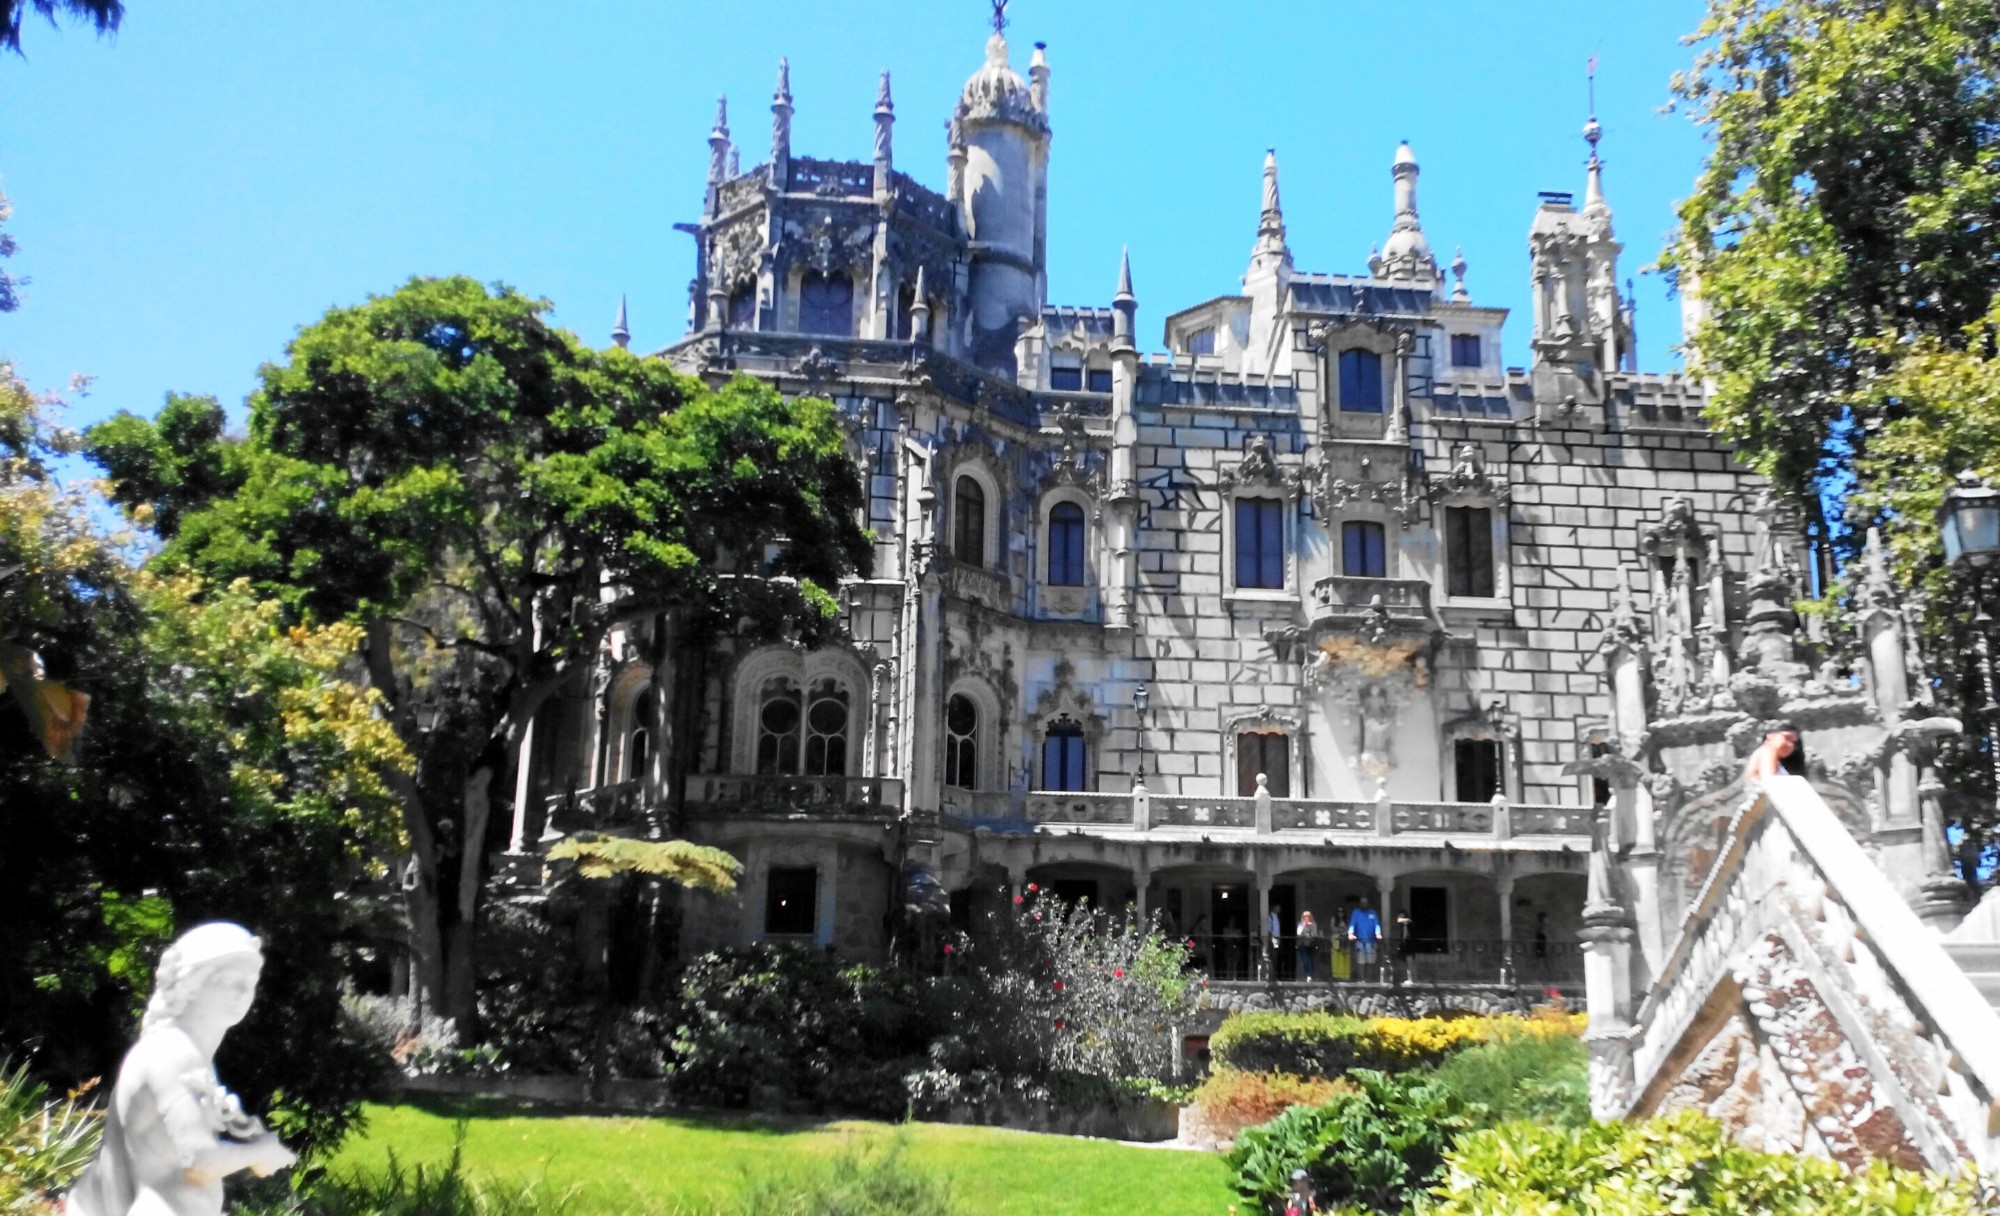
x=173, y=1133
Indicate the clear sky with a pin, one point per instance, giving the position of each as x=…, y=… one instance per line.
x=190, y=193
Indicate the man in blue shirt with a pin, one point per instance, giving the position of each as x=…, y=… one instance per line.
x=1364, y=929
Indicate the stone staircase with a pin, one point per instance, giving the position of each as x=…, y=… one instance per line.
x=1975, y=947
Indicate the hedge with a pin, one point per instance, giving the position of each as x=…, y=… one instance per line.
x=1324, y=1044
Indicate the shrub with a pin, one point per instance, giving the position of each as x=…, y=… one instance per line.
x=1230, y=1101
x=1682, y=1164
x=1374, y=1146
x=851, y=1184
x=1523, y=1072
x=1321, y=1044
x=792, y=1025
x=45, y=1141
x=1050, y=987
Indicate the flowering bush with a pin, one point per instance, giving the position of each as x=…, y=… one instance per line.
x=1049, y=988
x=1374, y=1145
x=1320, y=1044
x=1231, y=1101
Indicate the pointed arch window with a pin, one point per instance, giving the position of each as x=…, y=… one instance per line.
x=968, y=521
x=961, y=742
x=1066, y=537
x=639, y=738
x=826, y=304
x=1063, y=758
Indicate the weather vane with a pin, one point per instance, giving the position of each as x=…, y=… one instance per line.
x=999, y=16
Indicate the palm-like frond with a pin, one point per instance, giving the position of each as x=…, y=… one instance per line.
x=104, y=14
x=678, y=861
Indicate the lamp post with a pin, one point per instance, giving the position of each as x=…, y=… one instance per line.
x=1141, y=711
x=1969, y=523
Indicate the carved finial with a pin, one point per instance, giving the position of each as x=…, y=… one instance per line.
x=1124, y=304
x=1000, y=17
x=721, y=128
x=1458, y=292
x=1271, y=221
x=781, y=128
x=784, y=90
x=1125, y=276
x=882, y=101
x=621, y=332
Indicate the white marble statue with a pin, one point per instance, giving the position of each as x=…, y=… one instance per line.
x=173, y=1133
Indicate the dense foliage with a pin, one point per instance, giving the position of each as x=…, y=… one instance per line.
x=1324, y=1044
x=464, y=483
x=1844, y=242
x=1523, y=1072
x=1682, y=1164
x=45, y=1140
x=228, y=770
x=1374, y=1145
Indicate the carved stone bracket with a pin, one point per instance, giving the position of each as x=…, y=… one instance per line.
x=1330, y=493
x=1469, y=478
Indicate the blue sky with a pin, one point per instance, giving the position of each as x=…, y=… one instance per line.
x=188, y=194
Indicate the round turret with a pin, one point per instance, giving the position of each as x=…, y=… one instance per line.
x=1002, y=129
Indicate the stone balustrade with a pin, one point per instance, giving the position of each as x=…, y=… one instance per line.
x=773, y=795
x=1263, y=813
x=1800, y=977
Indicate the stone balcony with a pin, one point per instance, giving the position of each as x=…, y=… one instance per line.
x=1264, y=815
x=627, y=805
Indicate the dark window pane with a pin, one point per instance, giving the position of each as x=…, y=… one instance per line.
x=1478, y=765
x=1201, y=342
x=1430, y=920
x=1098, y=380
x=1066, y=379
x=1260, y=543
x=826, y=731
x=1062, y=757
x=1066, y=531
x=743, y=307
x=1465, y=350
x=791, y=901
x=1268, y=753
x=1468, y=551
x=961, y=748
x=1364, y=549
x=1360, y=382
x=906, y=299
x=826, y=304
x=968, y=535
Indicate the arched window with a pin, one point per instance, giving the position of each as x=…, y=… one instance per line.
x=826, y=304
x=802, y=733
x=1360, y=382
x=743, y=307
x=639, y=739
x=961, y=742
x=968, y=522
x=778, y=720
x=826, y=730
x=1063, y=755
x=1066, y=532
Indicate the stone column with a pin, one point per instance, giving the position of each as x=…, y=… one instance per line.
x=1607, y=967
x=1141, y=878
x=1264, y=948
x=1503, y=886
x=1385, y=950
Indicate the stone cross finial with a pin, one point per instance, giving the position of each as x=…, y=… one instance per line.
x=1000, y=16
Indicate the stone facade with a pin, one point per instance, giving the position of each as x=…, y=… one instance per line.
x=1310, y=608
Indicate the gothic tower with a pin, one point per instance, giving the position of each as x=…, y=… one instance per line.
x=1000, y=133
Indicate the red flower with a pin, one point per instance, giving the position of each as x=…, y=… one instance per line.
x=947, y=947
x=1058, y=985
x=1033, y=887
x=1119, y=974
x=1059, y=1024
x=1554, y=994
x=1017, y=899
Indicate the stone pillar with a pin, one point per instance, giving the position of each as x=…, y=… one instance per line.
x=1141, y=879
x=517, y=839
x=1503, y=886
x=1142, y=804
x=1385, y=952
x=1266, y=969
x=1607, y=967
x=1399, y=403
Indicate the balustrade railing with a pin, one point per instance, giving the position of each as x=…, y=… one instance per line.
x=602, y=809
x=1204, y=812
x=1310, y=814
x=1496, y=820
x=832, y=178
x=1475, y=817
x=774, y=795
x=1239, y=956
x=1057, y=806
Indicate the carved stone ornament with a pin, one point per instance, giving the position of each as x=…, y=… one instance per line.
x=736, y=253
x=1330, y=493
x=816, y=366
x=1469, y=478
x=828, y=246
x=1257, y=468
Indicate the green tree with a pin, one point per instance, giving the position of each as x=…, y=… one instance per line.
x=226, y=771
x=487, y=498
x=1844, y=243
x=103, y=14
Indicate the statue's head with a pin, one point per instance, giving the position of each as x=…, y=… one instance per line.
x=210, y=972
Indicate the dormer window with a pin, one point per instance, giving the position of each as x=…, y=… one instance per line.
x=1201, y=342
x=1360, y=382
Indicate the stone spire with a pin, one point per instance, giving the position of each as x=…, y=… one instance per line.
x=1124, y=304
x=885, y=123
x=1459, y=295
x=718, y=145
x=1038, y=77
x=1407, y=254
x=1271, y=247
x=781, y=128
x=1593, y=188
x=621, y=332
x=920, y=311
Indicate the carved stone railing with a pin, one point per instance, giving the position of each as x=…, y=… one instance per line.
x=1055, y=806
x=832, y=178
x=870, y=797
x=1264, y=814
x=607, y=808
x=923, y=204
x=1798, y=947
x=1400, y=595
x=989, y=588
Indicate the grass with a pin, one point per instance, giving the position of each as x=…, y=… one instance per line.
x=628, y=1165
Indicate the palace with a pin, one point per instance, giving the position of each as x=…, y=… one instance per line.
x=1322, y=604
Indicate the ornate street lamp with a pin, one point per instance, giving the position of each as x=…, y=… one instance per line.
x=1141, y=712
x=1969, y=522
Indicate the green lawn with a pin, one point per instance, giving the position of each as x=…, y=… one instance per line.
x=628, y=1165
